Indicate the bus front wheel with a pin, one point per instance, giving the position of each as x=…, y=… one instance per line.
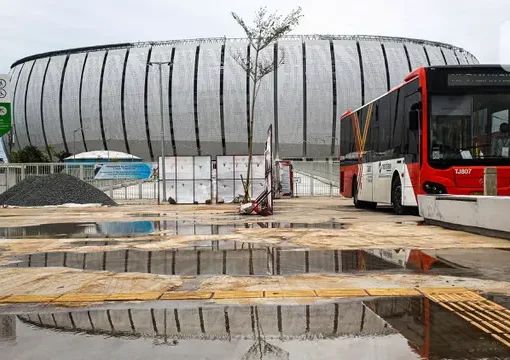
x=396, y=197
x=357, y=203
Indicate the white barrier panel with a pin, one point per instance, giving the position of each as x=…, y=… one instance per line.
x=230, y=169
x=482, y=212
x=188, y=179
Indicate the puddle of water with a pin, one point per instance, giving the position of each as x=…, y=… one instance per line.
x=379, y=329
x=417, y=223
x=109, y=243
x=238, y=258
x=147, y=214
x=134, y=228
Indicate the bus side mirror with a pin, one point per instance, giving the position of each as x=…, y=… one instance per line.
x=413, y=120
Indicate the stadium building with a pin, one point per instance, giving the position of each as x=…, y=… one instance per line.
x=108, y=98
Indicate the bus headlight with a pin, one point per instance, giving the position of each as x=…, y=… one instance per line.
x=434, y=188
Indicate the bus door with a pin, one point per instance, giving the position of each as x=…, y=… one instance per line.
x=411, y=139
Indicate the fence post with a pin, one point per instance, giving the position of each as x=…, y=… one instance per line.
x=490, y=181
x=140, y=189
x=311, y=184
x=81, y=172
x=22, y=172
x=52, y=168
x=330, y=175
x=7, y=173
x=110, y=183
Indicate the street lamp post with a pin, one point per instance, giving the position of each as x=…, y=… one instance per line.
x=162, y=172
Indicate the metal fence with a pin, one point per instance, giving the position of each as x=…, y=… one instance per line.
x=125, y=189
x=312, y=177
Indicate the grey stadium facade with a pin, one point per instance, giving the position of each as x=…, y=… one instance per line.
x=107, y=97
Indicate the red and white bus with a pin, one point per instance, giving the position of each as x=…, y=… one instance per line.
x=433, y=134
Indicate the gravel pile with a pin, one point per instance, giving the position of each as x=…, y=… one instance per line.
x=55, y=189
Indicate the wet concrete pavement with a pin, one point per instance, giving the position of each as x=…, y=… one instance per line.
x=378, y=265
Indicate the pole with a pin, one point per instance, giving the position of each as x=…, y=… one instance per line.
x=163, y=172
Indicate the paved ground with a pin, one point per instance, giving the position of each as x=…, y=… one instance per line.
x=179, y=275
x=353, y=229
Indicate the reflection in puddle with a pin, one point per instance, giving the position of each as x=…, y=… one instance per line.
x=133, y=228
x=503, y=300
x=403, y=328
x=434, y=332
x=237, y=258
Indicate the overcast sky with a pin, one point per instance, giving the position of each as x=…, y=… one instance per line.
x=33, y=26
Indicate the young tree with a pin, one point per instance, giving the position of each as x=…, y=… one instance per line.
x=266, y=29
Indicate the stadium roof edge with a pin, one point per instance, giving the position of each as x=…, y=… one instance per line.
x=143, y=44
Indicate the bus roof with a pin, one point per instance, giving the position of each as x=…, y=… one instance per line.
x=411, y=76
x=420, y=70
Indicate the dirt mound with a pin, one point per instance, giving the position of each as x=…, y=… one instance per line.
x=55, y=189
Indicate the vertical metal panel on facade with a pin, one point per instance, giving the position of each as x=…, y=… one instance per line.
x=134, y=102
x=15, y=82
x=33, y=105
x=208, y=103
x=472, y=59
x=417, y=55
x=182, y=99
x=159, y=54
x=26, y=100
x=234, y=100
x=264, y=109
x=71, y=102
x=111, y=106
x=348, y=75
x=451, y=59
x=435, y=56
x=397, y=62
x=290, y=98
x=19, y=105
x=319, y=96
x=374, y=70
x=461, y=57
x=51, y=102
x=90, y=100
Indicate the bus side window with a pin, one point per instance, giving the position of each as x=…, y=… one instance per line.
x=384, y=120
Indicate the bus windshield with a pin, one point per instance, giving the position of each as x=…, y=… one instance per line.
x=469, y=128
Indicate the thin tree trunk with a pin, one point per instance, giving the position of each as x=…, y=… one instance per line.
x=250, y=137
